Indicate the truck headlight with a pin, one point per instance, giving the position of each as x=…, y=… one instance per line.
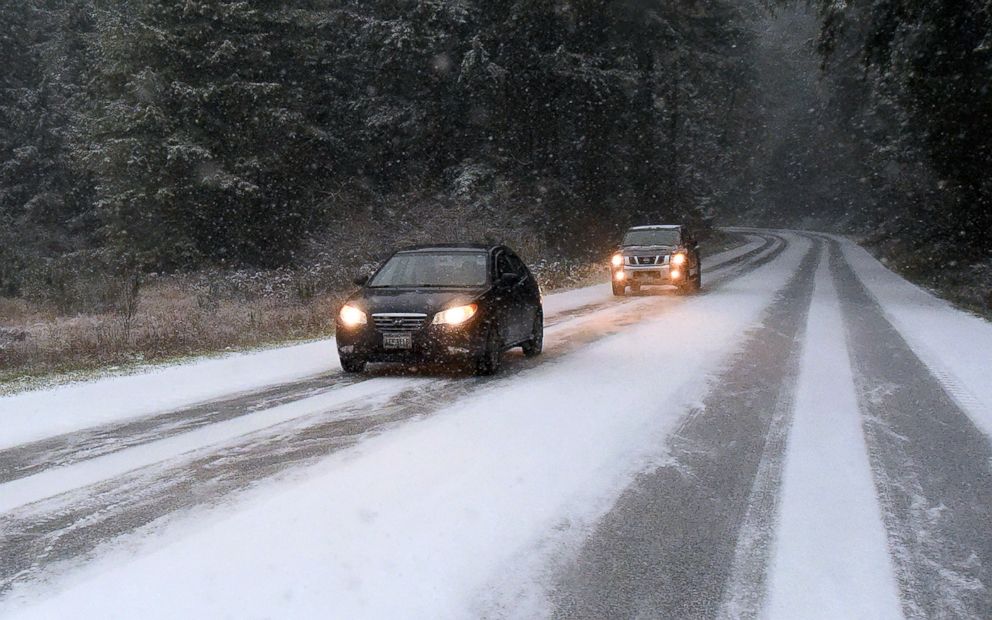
x=617, y=260
x=456, y=315
x=351, y=316
x=678, y=259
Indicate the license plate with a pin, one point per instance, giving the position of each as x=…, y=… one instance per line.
x=397, y=341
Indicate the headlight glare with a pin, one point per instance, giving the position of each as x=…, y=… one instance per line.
x=351, y=316
x=678, y=259
x=617, y=260
x=456, y=315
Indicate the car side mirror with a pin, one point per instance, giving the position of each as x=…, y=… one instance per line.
x=361, y=280
x=509, y=278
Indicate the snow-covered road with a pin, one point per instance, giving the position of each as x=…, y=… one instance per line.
x=807, y=438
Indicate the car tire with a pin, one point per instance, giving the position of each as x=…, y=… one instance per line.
x=535, y=345
x=619, y=289
x=489, y=360
x=691, y=285
x=352, y=364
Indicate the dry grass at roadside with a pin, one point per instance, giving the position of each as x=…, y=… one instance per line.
x=171, y=321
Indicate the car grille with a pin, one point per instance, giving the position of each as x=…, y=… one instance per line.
x=399, y=321
x=646, y=260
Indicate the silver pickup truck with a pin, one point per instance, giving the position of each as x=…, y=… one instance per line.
x=656, y=255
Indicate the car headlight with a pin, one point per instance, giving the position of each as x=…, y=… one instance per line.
x=351, y=316
x=617, y=260
x=456, y=315
x=678, y=259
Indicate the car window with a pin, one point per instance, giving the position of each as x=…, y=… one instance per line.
x=651, y=237
x=416, y=269
x=503, y=264
x=517, y=265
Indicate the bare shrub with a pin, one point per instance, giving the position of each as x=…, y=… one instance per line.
x=128, y=300
x=75, y=283
x=208, y=298
x=305, y=285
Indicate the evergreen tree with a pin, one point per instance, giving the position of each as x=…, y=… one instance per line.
x=44, y=202
x=202, y=140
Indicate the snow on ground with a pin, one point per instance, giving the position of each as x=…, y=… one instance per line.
x=30, y=416
x=56, y=480
x=956, y=345
x=34, y=415
x=831, y=557
x=416, y=522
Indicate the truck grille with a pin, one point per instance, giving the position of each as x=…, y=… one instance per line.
x=646, y=260
x=399, y=321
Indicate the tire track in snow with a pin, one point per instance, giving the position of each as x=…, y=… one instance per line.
x=830, y=557
x=665, y=549
x=31, y=458
x=59, y=451
x=46, y=537
x=744, y=592
x=932, y=465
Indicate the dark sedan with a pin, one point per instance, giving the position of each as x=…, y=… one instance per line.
x=436, y=303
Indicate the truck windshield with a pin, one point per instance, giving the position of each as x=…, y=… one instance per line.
x=652, y=237
x=434, y=269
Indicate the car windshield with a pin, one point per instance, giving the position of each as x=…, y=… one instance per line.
x=652, y=237
x=435, y=269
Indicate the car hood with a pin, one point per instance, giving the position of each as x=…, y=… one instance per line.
x=423, y=300
x=647, y=250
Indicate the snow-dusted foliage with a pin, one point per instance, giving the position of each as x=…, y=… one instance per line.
x=228, y=133
x=914, y=82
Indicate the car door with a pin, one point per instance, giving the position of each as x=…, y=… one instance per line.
x=510, y=297
x=692, y=250
x=529, y=296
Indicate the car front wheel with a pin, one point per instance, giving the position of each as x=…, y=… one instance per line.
x=535, y=345
x=489, y=359
x=691, y=285
x=352, y=364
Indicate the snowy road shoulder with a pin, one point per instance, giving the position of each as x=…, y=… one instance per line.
x=955, y=345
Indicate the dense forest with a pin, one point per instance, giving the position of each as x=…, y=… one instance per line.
x=896, y=142
x=174, y=136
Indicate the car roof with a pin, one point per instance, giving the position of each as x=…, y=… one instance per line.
x=657, y=227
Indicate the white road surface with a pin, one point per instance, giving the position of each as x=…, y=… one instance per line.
x=745, y=452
